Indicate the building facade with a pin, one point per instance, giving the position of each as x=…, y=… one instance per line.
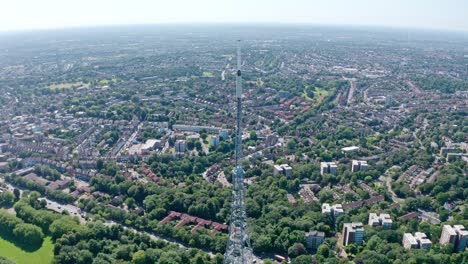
x=359, y=165
x=314, y=239
x=456, y=235
x=383, y=220
x=418, y=240
x=328, y=167
x=353, y=233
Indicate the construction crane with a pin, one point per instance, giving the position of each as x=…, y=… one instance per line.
x=238, y=249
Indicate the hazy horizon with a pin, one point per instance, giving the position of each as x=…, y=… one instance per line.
x=437, y=15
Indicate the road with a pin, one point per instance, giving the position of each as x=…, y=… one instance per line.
x=388, y=181
x=204, y=147
x=351, y=91
x=71, y=209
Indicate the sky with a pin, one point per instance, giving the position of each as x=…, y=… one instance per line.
x=45, y=14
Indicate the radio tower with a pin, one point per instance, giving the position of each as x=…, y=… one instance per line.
x=238, y=249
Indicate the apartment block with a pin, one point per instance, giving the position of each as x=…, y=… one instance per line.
x=359, y=165
x=314, y=239
x=180, y=146
x=283, y=169
x=418, y=240
x=328, y=167
x=334, y=210
x=353, y=233
x=383, y=220
x=456, y=235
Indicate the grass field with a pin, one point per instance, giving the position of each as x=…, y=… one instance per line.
x=43, y=255
x=106, y=81
x=62, y=86
x=208, y=74
x=319, y=95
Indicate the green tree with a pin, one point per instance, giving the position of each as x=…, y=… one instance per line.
x=63, y=226
x=28, y=234
x=139, y=257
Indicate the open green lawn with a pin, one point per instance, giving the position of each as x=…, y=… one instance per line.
x=208, y=74
x=43, y=255
x=63, y=86
x=319, y=95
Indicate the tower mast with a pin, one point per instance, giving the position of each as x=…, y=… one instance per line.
x=238, y=249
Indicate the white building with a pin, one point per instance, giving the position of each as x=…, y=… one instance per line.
x=359, y=165
x=349, y=149
x=284, y=169
x=456, y=235
x=383, y=220
x=334, y=210
x=419, y=240
x=328, y=167
x=409, y=241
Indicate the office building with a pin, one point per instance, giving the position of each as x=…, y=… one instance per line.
x=328, y=167
x=314, y=239
x=383, y=220
x=456, y=235
x=359, y=165
x=353, y=233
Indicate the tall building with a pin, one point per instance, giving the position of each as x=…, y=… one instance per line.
x=359, y=165
x=456, y=235
x=418, y=240
x=284, y=169
x=383, y=220
x=334, y=210
x=214, y=141
x=314, y=239
x=409, y=241
x=328, y=167
x=224, y=134
x=388, y=100
x=180, y=146
x=353, y=233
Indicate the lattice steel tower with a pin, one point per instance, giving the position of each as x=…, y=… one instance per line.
x=238, y=249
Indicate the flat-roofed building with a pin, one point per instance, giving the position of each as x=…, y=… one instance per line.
x=214, y=141
x=418, y=240
x=353, y=233
x=409, y=241
x=383, y=220
x=328, y=167
x=359, y=165
x=349, y=149
x=423, y=241
x=314, y=239
x=180, y=146
x=283, y=169
x=456, y=235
